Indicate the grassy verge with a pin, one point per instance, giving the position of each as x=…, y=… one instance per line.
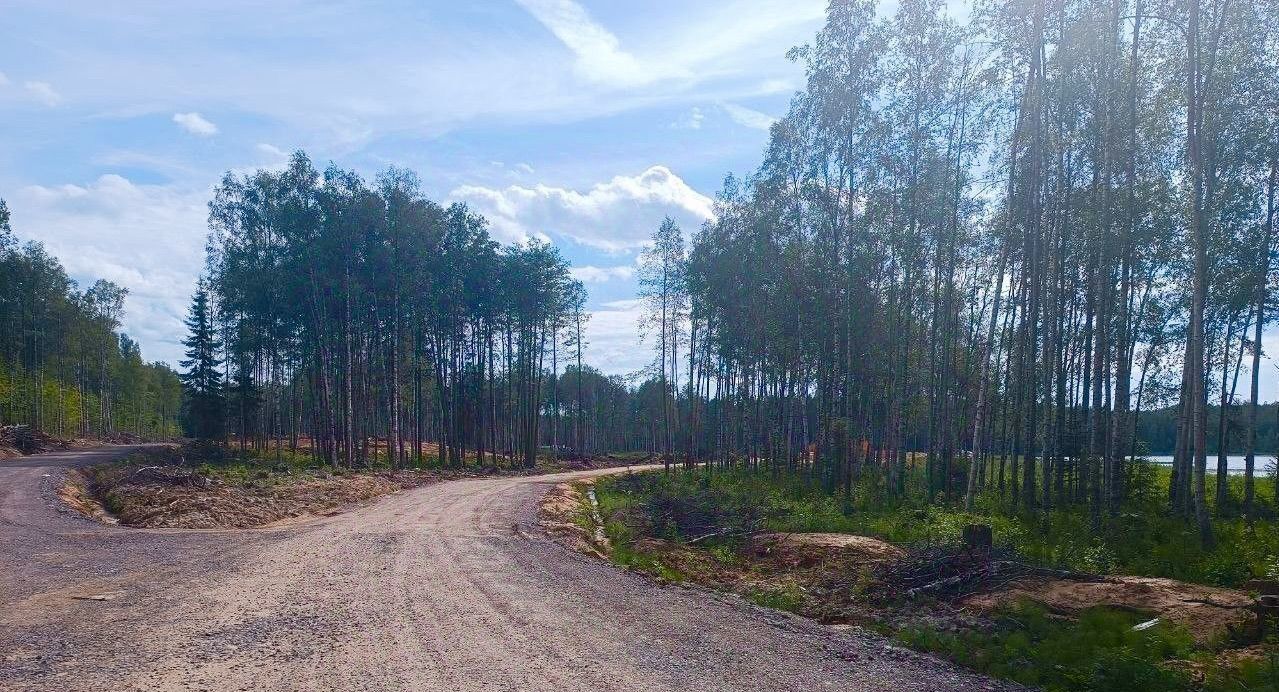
x=694, y=527
x=234, y=464
x=1141, y=540
x=1100, y=650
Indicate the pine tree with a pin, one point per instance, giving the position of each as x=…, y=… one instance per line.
x=662, y=287
x=204, y=403
x=6, y=233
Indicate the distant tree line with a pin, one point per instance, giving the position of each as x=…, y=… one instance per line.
x=64, y=367
x=1000, y=244
x=1157, y=431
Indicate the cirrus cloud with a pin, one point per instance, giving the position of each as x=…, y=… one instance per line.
x=748, y=117
x=43, y=92
x=600, y=57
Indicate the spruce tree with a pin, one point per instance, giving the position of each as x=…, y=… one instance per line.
x=202, y=380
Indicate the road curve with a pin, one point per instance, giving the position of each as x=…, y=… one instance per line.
x=445, y=587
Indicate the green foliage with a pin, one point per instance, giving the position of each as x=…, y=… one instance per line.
x=1245, y=676
x=361, y=310
x=204, y=405
x=669, y=509
x=1100, y=651
x=786, y=597
x=1141, y=540
x=64, y=369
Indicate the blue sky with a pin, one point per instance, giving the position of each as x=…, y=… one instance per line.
x=584, y=122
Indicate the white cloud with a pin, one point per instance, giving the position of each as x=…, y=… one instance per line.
x=43, y=92
x=748, y=117
x=776, y=86
x=196, y=124
x=597, y=275
x=613, y=342
x=517, y=170
x=691, y=120
x=147, y=238
x=600, y=57
x=4, y=80
x=420, y=75
x=169, y=166
x=614, y=216
x=272, y=150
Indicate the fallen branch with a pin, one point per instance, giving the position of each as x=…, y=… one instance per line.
x=954, y=574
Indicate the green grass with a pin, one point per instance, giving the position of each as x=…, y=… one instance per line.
x=786, y=598
x=1098, y=651
x=1142, y=539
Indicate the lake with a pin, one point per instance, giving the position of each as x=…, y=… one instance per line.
x=1264, y=462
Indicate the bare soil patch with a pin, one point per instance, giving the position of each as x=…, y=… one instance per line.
x=808, y=549
x=175, y=497
x=159, y=488
x=1206, y=612
x=564, y=514
x=156, y=489
x=22, y=440
x=843, y=578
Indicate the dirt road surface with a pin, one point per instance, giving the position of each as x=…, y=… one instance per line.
x=446, y=587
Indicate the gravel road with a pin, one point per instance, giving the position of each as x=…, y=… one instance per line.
x=445, y=587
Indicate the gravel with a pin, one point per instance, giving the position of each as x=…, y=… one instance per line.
x=445, y=587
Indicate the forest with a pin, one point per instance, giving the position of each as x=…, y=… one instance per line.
x=994, y=245
x=64, y=367
x=1025, y=248
x=964, y=361
x=376, y=326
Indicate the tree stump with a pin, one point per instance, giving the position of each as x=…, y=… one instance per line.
x=978, y=539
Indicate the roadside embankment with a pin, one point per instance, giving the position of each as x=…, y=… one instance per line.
x=980, y=605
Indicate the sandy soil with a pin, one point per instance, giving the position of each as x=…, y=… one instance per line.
x=806, y=549
x=446, y=587
x=1207, y=612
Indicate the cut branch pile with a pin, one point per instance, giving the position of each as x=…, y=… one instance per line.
x=698, y=519
x=28, y=440
x=169, y=475
x=955, y=573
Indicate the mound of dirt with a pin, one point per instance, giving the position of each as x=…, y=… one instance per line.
x=1207, y=612
x=811, y=549
x=178, y=497
x=562, y=510
x=75, y=493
